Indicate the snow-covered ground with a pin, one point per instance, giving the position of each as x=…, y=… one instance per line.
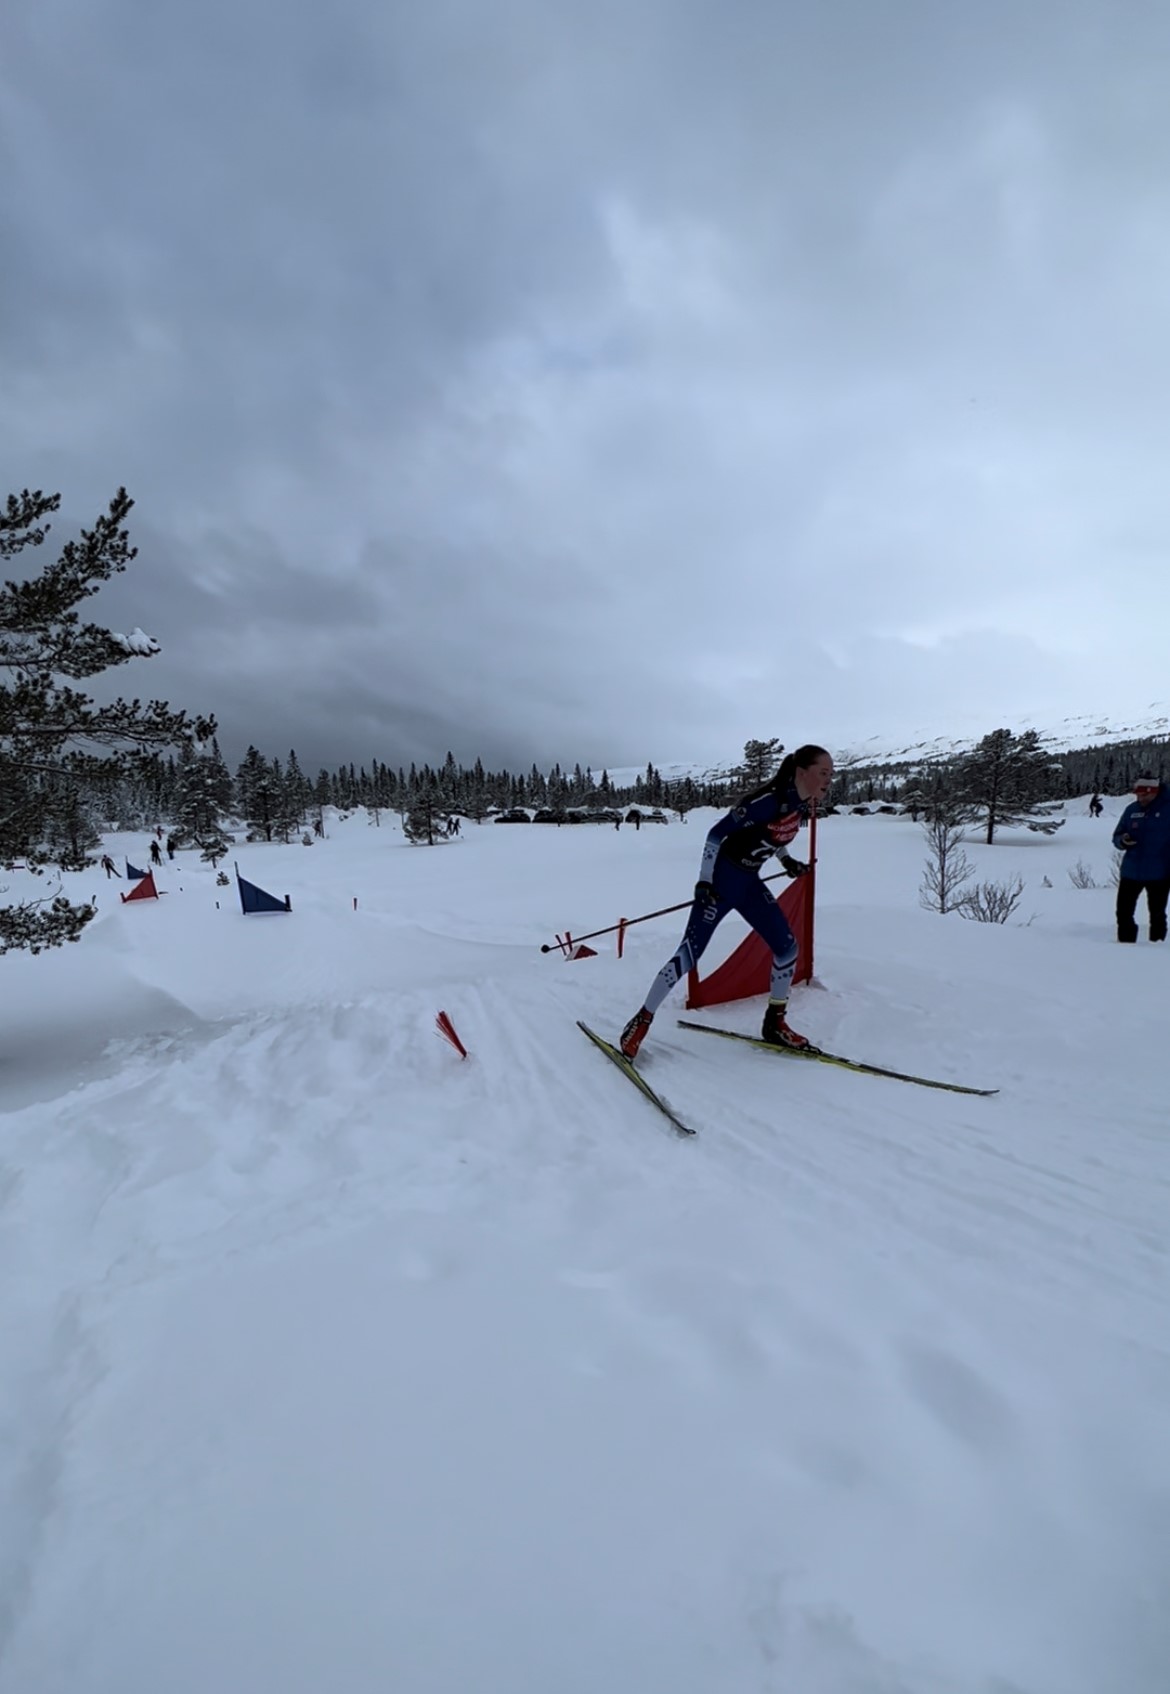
x=331, y=1361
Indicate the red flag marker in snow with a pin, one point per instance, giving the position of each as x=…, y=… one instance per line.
x=447, y=1030
x=144, y=890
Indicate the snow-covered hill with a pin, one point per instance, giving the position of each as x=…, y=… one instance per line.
x=329, y=1360
x=1061, y=734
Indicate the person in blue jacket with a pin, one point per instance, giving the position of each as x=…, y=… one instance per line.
x=1143, y=833
x=736, y=849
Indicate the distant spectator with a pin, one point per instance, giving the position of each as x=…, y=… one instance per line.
x=170, y=846
x=1143, y=834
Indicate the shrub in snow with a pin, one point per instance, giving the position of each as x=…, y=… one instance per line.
x=991, y=902
x=948, y=868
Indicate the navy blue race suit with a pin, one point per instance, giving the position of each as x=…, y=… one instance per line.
x=734, y=853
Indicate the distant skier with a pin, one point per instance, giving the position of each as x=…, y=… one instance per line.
x=155, y=855
x=109, y=866
x=170, y=846
x=1143, y=833
x=1095, y=806
x=736, y=849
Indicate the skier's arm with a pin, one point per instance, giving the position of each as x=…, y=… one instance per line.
x=716, y=836
x=1121, y=835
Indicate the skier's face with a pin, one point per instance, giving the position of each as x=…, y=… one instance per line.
x=814, y=782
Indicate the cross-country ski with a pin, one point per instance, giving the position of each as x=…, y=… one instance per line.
x=818, y=1056
x=631, y=1071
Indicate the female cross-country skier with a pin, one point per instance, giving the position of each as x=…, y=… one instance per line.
x=736, y=850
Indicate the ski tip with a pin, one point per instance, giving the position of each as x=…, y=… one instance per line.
x=630, y=1070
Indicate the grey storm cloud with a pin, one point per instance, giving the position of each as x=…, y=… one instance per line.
x=547, y=382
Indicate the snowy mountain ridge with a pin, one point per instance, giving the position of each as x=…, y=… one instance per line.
x=1059, y=734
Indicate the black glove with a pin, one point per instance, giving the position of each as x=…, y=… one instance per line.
x=1128, y=841
x=706, y=897
x=794, y=867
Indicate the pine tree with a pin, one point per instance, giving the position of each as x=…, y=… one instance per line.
x=449, y=781
x=384, y=785
x=761, y=760
x=427, y=819
x=684, y=797
x=293, y=797
x=51, y=731
x=71, y=830
x=197, y=812
x=322, y=793
x=214, y=847
x=477, y=798
x=1008, y=778
x=256, y=793
x=283, y=818
x=222, y=786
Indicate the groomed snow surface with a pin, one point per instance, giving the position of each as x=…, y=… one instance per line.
x=330, y=1361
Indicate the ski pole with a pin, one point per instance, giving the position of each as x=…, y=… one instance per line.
x=551, y=946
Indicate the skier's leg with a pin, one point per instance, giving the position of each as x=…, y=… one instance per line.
x=1128, y=889
x=705, y=918
x=752, y=900
x=755, y=903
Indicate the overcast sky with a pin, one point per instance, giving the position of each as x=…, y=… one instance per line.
x=601, y=381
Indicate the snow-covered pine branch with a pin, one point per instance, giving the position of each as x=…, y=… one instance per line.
x=137, y=642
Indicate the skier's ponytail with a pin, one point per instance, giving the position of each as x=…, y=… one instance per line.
x=786, y=775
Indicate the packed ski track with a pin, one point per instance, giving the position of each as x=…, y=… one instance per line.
x=333, y=1360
